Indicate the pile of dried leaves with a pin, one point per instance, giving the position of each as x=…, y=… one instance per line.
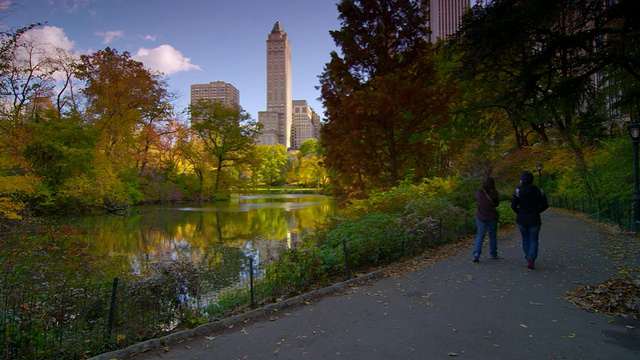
x=617, y=296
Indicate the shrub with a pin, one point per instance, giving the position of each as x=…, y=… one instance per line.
x=294, y=272
x=166, y=297
x=372, y=240
x=505, y=214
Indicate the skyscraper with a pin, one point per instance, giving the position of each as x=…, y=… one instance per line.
x=278, y=89
x=216, y=91
x=446, y=16
x=306, y=123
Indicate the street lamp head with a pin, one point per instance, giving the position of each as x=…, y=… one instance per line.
x=539, y=167
x=634, y=131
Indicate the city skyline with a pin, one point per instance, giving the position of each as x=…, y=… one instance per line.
x=196, y=42
x=193, y=42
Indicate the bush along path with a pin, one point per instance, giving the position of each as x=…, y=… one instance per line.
x=444, y=305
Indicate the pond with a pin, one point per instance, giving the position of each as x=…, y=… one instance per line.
x=220, y=236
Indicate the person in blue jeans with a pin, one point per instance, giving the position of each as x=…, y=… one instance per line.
x=528, y=201
x=487, y=199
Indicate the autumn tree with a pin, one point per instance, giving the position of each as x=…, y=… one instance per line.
x=18, y=186
x=384, y=98
x=308, y=168
x=226, y=133
x=124, y=100
x=542, y=63
x=166, y=179
x=129, y=107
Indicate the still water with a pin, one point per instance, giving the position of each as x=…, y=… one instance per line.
x=220, y=236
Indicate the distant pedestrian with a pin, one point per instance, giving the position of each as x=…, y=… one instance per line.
x=528, y=201
x=487, y=199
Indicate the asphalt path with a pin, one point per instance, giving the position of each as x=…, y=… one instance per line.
x=440, y=307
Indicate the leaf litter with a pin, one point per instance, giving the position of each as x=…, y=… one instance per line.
x=615, y=296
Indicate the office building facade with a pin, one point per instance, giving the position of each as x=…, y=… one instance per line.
x=306, y=123
x=446, y=17
x=219, y=91
x=270, y=121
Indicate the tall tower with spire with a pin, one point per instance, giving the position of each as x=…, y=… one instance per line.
x=279, y=100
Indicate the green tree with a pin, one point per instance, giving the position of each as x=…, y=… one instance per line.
x=308, y=168
x=196, y=160
x=383, y=96
x=309, y=146
x=228, y=135
x=272, y=164
x=311, y=172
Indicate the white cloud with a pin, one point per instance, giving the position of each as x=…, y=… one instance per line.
x=166, y=59
x=109, y=36
x=148, y=37
x=40, y=45
x=49, y=38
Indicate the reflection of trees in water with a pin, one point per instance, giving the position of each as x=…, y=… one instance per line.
x=221, y=236
x=222, y=266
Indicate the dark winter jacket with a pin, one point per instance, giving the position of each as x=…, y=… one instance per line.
x=528, y=201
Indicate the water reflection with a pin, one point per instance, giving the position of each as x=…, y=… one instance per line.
x=220, y=236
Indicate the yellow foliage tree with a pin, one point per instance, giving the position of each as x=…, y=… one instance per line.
x=13, y=192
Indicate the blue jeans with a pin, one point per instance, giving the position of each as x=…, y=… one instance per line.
x=483, y=226
x=530, y=240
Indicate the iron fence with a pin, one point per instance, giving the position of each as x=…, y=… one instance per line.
x=75, y=323
x=612, y=211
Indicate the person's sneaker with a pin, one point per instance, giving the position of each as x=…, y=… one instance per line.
x=530, y=264
x=496, y=257
x=476, y=259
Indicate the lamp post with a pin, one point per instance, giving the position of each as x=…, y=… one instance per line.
x=539, y=167
x=634, y=132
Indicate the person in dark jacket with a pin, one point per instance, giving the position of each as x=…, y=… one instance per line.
x=528, y=201
x=487, y=200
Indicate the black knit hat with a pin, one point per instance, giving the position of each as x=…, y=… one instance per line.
x=526, y=177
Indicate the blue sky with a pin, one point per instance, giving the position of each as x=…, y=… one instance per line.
x=192, y=41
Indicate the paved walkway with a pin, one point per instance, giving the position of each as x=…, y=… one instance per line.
x=494, y=309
